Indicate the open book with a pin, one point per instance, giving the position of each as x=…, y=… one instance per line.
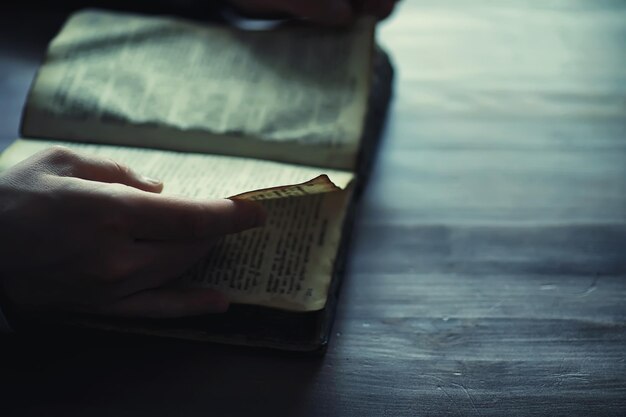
x=277, y=116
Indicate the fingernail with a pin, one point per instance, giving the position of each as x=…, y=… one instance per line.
x=152, y=181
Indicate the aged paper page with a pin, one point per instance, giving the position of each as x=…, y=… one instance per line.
x=317, y=185
x=286, y=264
x=168, y=83
x=190, y=174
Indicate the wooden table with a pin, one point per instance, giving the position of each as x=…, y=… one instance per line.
x=488, y=271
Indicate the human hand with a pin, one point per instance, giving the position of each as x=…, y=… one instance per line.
x=327, y=12
x=86, y=234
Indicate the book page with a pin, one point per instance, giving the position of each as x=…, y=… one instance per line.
x=190, y=174
x=286, y=264
x=317, y=185
x=296, y=94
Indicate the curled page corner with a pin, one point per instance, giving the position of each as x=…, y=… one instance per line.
x=318, y=185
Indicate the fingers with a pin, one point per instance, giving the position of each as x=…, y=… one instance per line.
x=65, y=162
x=338, y=12
x=170, y=303
x=149, y=215
x=109, y=171
x=162, y=217
x=152, y=264
x=379, y=8
x=326, y=12
x=384, y=8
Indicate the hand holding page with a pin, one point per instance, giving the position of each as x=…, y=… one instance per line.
x=244, y=266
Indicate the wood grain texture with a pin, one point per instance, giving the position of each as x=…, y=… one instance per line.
x=488, y=270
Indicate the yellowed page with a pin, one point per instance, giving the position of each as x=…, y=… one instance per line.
x=317, y=185
x=286, y=264
x=293, y=94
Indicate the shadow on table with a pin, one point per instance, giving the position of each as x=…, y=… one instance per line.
x=104, y=375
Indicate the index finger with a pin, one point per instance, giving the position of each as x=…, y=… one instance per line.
x=160, y=217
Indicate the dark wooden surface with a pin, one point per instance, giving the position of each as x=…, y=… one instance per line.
x=488, y=273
